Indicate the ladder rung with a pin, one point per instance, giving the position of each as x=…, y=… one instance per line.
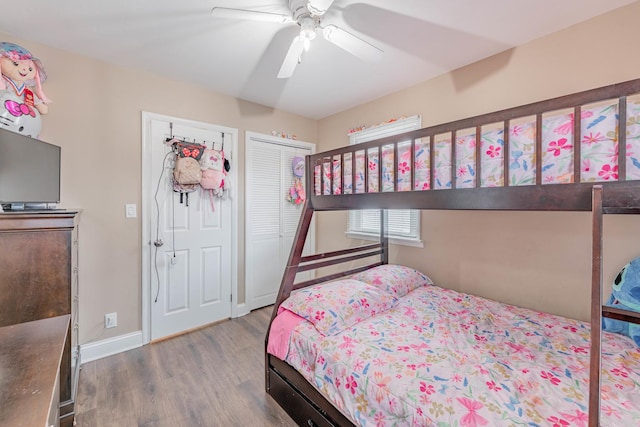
x=621, y=211
x=621, y=314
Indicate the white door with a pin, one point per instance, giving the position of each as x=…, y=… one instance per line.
x=271, y=220
x=191, y=269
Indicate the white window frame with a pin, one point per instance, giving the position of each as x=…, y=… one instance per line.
x=396, y=218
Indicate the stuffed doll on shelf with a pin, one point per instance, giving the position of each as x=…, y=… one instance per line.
x=22, y=100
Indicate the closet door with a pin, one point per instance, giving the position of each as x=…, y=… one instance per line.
x=271, y=220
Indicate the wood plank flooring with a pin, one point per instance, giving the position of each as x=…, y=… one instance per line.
x=210, y=377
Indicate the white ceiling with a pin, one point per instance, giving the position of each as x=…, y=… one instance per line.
x=180, y=39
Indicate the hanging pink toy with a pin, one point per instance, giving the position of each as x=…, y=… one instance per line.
x=297, y=194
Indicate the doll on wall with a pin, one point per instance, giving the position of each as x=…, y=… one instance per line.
x=22, y=100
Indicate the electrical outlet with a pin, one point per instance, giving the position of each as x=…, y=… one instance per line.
x=110, y=320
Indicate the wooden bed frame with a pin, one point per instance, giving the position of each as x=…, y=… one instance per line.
x=299, y=398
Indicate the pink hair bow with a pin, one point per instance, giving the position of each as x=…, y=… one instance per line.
x=16, y=109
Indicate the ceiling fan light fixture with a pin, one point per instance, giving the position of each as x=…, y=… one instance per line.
x=307, y=34
x=307, y=28
x=306, y=43
x=307, y=31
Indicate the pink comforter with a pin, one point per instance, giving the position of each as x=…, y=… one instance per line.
x=441, y=358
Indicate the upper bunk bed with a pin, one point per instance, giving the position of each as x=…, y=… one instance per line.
x=523, y=153
x=579, y=152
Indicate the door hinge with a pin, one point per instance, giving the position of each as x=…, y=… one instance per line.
x=230, y=297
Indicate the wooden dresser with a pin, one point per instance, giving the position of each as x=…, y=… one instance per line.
x=30, y=358
x=39, y=280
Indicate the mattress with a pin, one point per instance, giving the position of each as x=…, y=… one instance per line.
x=436, y=357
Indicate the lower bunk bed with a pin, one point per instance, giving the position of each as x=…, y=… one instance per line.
x=381, y=345
x=392, y=349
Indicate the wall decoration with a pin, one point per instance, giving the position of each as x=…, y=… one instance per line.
x=363, y=127
x=22, y=100
x=283, y=135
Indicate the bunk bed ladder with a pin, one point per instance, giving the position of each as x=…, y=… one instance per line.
x=298, y=263
x=295, y=256
x=598, y=310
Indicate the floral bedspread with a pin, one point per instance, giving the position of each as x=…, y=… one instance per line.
x=442, y=358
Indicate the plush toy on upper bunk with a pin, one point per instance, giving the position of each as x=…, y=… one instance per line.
x=625, y=295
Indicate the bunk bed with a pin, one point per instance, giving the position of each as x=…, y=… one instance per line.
x=556, y=155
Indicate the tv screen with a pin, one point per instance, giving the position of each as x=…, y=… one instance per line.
x=29, y=170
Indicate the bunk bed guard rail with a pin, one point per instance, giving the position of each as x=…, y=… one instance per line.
x=514, y=159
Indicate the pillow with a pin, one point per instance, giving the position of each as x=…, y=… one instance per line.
x=336, y=306
x=397, y=280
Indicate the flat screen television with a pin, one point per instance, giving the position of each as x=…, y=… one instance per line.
x=29, y=172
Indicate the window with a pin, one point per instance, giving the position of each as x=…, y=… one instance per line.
x=404, y=224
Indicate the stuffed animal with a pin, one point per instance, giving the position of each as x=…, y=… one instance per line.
x=296, y=194
x=21, y=72
x=626, y=295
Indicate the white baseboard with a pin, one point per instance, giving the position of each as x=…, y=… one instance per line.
x=99, y=349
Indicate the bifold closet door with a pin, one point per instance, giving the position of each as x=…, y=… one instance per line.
x=271, y=219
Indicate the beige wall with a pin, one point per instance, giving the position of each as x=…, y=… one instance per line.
x=474, y=251
x=96, y=119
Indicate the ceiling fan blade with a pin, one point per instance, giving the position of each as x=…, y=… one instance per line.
x=251, y=15
x=292, y=59
x=319, y=7
x=352, y=43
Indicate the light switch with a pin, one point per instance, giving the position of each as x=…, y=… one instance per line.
x=130, y=210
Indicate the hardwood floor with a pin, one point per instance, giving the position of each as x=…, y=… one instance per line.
x=210, y=377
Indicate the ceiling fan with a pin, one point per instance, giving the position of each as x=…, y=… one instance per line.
x=308, y=15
